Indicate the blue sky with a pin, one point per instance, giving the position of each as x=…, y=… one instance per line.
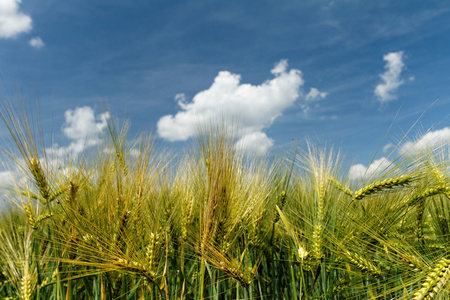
x=333, y=71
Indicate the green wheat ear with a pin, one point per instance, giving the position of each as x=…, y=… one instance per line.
x=382, y=185
x=362, y=263
x=432, y=191
x=435, y=282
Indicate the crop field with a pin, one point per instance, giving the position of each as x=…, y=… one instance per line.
x=132, y=221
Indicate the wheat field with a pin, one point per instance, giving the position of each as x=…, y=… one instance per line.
x=130, y=220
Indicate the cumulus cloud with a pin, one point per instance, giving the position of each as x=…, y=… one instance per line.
x=228, y=98
x=12, y=21
x=83, y=129
x=255, y=142
x=37, y=43
x=360, y=171
x=385, y=91
x=314, y=94
x=432, y=139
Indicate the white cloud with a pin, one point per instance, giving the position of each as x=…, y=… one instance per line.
x=12, y=21
x=391, y=78
x=280, y=67
x=37, y=42
x=81, y=123
x=181, y=100
x=7, y=178
x=387, y=147
x=256, y=142
x=83, y=130
x=228, y=98
x=430, y=140
x=359, y=171
x=315, y=94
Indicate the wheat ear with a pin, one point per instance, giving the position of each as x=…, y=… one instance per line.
x=26, y=287
x=427, y=193
x=122, y=227
x=317, y=241
x=30, y=216
x=52, y=278
x=362, y=263
x=419, y=220
x=237, y=273
x=318, y=227
x=382, y=185
x=187, y=217
x=137, y=268
x=151, y=252
x=122, y=163
x=281, y=203
x=435, y=281
x=26, y=283
x=43, y=217
x=39, y=177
